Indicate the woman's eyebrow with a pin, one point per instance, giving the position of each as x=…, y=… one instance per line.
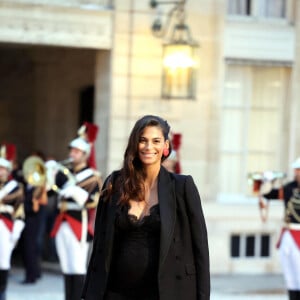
x=152, y=138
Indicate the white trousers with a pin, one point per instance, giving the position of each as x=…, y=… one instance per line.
x=6, y=246
x=289, y=253
x=71, y=252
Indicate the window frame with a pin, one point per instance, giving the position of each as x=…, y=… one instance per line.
x=244, y=194
x=254, y=13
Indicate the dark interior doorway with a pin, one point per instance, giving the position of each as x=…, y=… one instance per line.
x=86, y=105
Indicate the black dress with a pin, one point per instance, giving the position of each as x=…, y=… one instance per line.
x=134, y=267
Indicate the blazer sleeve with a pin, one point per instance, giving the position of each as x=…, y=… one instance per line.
x=199, y=238
x=97, y=229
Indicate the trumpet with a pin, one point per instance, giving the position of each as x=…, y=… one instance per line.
x=257, y=179
x=53, y=167
x=262, y=180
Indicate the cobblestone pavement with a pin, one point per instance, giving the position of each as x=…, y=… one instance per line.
x=225, y=287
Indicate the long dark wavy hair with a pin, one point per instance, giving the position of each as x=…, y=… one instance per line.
x=130, y=182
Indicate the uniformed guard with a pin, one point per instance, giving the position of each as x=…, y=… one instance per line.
x=176, y=143
x=289, y=241
x=11, y=213
x=172, y=163
x=78, y=192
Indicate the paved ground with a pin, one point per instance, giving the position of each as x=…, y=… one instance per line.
x=231, y=287
x=246, y=287
x=49, y=287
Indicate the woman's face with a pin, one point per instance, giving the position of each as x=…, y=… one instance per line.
x=151, y=145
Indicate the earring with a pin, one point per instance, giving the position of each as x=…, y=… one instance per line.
x=166, y=152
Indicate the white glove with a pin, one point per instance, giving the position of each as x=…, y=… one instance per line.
x=51, y=171
x=17, y=230
x=76, y=192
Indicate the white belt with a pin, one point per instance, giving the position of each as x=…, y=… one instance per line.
x=84, y=175
x=6, y=209
x=69, y=206
x=293, y=226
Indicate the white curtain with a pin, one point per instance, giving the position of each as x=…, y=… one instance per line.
x=237, y=7
x=260, y=8
x=271, y=8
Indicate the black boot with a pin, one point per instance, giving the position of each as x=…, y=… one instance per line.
x=3, y=283
x=77, y=285
x=68, y=287
x=294, y=295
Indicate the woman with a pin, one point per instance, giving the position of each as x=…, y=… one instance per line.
x=150, y=234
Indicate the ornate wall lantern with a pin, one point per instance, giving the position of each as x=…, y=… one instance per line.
x=179, y=53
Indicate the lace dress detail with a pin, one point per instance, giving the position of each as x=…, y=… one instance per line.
x=134, y=267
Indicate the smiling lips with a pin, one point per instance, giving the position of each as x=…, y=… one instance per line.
x=150, y=155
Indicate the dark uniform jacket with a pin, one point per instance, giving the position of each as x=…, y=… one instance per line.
x=184, y=258
x=291, y=196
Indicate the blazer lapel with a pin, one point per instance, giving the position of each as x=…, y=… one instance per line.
x=167, y=207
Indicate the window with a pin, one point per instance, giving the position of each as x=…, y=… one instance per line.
x=266, y=9
x=271, y=8
x=235, y=246
x=265, y=245
x=250, y=245
x=239, y=7
x=254, y=101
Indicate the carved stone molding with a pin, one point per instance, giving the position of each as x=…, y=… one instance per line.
x=56, y=26
x=75, y=3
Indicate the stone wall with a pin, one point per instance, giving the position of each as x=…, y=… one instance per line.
x=136, y=86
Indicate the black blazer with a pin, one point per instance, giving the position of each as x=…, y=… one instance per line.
x=184, y=259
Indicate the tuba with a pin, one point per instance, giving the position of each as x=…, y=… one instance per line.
x=39, y=173
x=34, y=171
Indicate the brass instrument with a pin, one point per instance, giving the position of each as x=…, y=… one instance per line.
x=258, y=179
x=34, y=171
x=263, y=182
x=39, y=173
x=53, y=167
